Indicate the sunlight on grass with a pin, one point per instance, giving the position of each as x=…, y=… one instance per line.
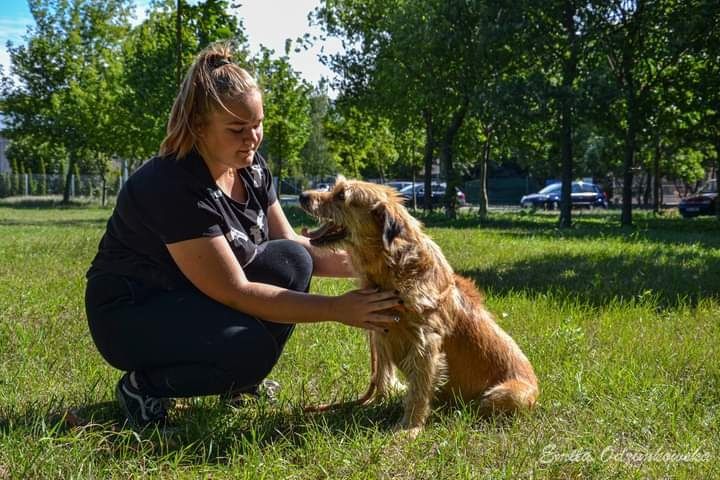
x=620, y=324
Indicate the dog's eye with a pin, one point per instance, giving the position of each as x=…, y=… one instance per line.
x=340, y=196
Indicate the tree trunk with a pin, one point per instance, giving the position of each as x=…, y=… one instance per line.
x=279, y=163
x=428, y=158
x=483, y=209
x=72, y=160
x=566, y=120
x=630, y=136
x=446, y=158
x=103, y=201
x=717, y=181
x=178, y=44
x=656, y=176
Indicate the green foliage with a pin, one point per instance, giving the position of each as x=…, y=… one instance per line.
x=287, y=121
x=473, y=84
x=317, y=161
x=361, y=144
x=68, y=75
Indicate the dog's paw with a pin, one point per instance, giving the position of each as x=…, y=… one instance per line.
x=402, y=432
x=397, y=388
x=394, y=389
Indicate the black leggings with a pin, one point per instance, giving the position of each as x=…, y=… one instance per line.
x=182, y=343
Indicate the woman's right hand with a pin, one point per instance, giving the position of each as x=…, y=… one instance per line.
x=363, y=309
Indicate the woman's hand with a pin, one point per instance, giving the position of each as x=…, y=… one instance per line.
x=363, y=309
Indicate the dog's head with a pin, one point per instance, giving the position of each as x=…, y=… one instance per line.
x=356, y=213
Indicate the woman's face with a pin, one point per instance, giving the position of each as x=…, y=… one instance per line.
x=230, y=139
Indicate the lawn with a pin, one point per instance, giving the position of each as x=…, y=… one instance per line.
x=622, y=326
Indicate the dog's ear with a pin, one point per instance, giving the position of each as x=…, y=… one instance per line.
x=390, y=224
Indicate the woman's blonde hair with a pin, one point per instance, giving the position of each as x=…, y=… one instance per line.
x=212, y=81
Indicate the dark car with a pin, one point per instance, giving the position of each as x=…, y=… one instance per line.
x=437, y=195
x=704, y=202
x=399, y=184
x=583, y=194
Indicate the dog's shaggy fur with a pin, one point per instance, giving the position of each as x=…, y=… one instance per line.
x=446, y=343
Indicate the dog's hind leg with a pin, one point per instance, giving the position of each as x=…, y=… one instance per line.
x=510, y=395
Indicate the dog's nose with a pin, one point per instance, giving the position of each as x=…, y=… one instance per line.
x=304, y=199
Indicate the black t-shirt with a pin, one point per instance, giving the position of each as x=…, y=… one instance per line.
x=168, y=200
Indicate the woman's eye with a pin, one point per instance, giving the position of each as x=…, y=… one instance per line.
x=236, y=131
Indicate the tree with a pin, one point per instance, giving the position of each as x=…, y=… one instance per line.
x=68, y=76
x=642, y=41
x=360, y=143
x=315, y=154
x=410, y=59
x=287, y=112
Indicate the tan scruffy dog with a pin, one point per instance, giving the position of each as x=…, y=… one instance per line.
x=446, y=343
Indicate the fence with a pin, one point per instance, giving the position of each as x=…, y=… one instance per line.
x=12, y=184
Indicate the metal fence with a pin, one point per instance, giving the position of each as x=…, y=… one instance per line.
x=15, y=184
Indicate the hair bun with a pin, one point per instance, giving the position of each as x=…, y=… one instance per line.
x=218, y=61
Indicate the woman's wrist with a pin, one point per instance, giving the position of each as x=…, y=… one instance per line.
x=330, y=310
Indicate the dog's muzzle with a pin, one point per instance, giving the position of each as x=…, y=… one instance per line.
x=326, y=233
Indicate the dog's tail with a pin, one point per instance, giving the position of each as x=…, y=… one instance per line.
x=365, y=399
x=511, y=395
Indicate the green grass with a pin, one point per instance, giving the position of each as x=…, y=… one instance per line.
x=622, y=326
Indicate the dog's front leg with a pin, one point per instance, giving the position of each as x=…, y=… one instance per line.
x=387, y=381
x=423, y=366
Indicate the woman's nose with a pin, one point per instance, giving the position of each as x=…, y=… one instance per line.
x=252, y=136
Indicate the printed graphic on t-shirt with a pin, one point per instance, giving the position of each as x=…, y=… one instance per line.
x=257, y=230
x=234, y=235
x=257, y=175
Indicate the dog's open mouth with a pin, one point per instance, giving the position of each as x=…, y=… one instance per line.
x=326, y=233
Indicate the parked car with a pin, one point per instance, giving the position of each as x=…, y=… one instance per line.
x=323, y=187
x=583, y=194
x=399, y=184
x=704, y=202
x=437, y=194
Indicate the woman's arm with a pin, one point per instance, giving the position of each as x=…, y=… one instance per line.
x=211, y=266
x=327, y=263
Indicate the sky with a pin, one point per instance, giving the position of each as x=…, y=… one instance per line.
x=267, y=22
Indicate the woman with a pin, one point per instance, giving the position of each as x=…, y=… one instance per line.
x=199, y=278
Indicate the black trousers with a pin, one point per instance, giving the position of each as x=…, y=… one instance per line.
x=182, y=343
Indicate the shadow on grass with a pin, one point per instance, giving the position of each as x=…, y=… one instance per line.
x=208, y=433
x=593, y=225
x=667, y=277
x=79, y=222
x=48, y=202
x=194, y=428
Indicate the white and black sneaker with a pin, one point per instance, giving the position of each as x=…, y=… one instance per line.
x=266, y=391
x=140, y=409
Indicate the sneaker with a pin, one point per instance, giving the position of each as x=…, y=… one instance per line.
x=140, y=409
x=266, y=390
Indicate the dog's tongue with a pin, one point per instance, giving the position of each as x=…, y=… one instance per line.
x=318, y=232
x=326, y=233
